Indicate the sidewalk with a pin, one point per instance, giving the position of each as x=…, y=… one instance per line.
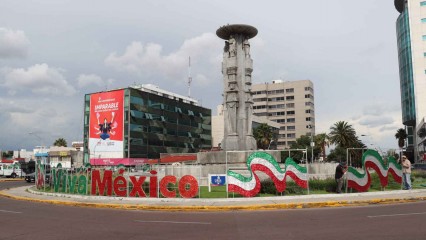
x=219, y=204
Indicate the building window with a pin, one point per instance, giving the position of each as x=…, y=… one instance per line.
x=289, y=120
x=291, y=112
x=289, y=90
x=289, y=98
x=308, y=119
x=261, y=114
x=280, y=120
x=308, y=111
x=290, y=105
x=291, y=128
x=423, y=3
x=291, y=135
x=280, y=113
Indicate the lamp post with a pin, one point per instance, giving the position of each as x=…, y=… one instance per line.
x=312, y=142
x=270, y=143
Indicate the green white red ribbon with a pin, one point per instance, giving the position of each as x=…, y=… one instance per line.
x=264, y=162
x=361, y=180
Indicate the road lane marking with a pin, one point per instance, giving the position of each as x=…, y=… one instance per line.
x=396, y=215
x=173, y=222
x=5, y=211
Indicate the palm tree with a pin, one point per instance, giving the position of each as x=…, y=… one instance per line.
x=323, y=141
x=263, y=135
x=60, y=142
x=343, y=135
x=401, y=135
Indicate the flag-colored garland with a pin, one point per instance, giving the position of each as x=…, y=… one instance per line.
x=372, y=160
x=262, y=161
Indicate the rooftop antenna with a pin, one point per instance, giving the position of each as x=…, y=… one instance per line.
x=189, y=77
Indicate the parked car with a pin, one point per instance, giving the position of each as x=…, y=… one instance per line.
x=11, y=171
x=31, y=177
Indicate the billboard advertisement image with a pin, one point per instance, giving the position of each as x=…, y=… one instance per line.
x=106, y=124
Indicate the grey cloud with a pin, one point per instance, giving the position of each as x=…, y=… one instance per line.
x=89, y=79
x=13, y=44
x=376, y=121
x=149, y=59
x=38, y=79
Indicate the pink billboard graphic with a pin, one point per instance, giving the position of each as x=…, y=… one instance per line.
x=106, y=124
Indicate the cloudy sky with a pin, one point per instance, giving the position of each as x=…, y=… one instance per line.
x=52, y=52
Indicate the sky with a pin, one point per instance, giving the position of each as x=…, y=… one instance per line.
x=52, y=52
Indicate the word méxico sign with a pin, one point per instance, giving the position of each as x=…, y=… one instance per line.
x=102, y=182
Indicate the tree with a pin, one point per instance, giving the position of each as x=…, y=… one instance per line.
x=304, y=142
x=60, y=142
x=422, y=132
x=322, y=140
x=343, y=135
x=263, y=135
x=338, y=154
x=401, y=135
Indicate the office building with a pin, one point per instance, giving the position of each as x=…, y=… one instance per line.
x=128, y=125
x=411, y=40
x=289, y=103
x=218, y=128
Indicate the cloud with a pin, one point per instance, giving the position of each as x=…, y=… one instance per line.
x=38, y=79
x=376, y=121
x=149, y=59
x=91, y=79
x=13, y=44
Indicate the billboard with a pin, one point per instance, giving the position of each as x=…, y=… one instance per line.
x=106, y=124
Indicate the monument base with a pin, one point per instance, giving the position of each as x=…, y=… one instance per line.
x=234, y=143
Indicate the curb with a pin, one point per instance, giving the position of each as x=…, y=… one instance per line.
x=259, y=207
x=12, y=179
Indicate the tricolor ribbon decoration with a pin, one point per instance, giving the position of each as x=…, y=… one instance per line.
x=371, y=159
x=264, y=162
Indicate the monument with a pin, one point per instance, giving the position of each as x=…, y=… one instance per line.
x=237, y=67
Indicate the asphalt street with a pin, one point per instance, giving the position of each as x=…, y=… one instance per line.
x=30, y=220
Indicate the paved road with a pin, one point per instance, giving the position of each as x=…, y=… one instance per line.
x=28, y=220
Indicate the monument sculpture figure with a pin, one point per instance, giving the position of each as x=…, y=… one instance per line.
x=237, y=67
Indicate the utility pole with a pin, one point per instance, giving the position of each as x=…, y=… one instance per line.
x=312, y=142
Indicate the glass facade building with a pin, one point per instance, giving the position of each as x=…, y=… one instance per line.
x=411, y=40
x=156, y=121
x=405, y=69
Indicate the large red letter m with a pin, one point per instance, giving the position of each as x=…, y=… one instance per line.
x=106, y=182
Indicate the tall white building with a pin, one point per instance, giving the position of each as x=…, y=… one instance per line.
x=289, y=103
x=411, y=39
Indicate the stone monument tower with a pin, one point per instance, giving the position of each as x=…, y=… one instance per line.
x=237, y=67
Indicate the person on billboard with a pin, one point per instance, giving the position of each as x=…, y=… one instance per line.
x=106, y=128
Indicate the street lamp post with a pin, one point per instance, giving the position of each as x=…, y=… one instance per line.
x=312, y=142
x=270, y=143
